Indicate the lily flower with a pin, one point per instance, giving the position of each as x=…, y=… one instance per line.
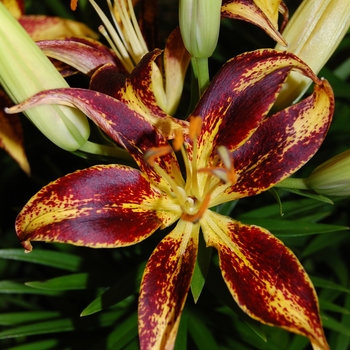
x=231, y=148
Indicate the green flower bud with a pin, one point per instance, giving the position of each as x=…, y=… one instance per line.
x=25, y=71
x=200, y=26
x=313, y=33
x=332, y=178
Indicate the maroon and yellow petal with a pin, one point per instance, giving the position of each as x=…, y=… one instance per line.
x=124, y=125
x=42, y=27
x=15, y=7
x=264, y=277
x=176, y=60
x=240, y=96
x=282, y=144
x=102, y=206
x=263, y=14
x=11, y=134
x=85, y=55
x=165, y=286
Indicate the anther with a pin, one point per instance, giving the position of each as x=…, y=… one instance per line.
x=195, y=127
x=153, y=153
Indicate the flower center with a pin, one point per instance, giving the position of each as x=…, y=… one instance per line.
x=194, y=192
x=125, y=37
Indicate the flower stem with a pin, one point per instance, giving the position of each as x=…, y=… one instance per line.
x=294, y=183
x=201, y=72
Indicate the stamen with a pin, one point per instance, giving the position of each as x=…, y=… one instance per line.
x=155, y=152
x=195, y=127
x=178, y=140
x=226, y=174
x=127, y=41
x=73, y=5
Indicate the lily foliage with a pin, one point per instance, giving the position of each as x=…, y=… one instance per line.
x=230, y=147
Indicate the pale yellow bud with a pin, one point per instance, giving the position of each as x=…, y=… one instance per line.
x=332, y=178
x=313, y=33
x=200, y=25
x=25, y=71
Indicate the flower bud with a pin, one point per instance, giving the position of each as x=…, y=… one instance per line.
x=332, y=178
x=25, y=71
x=313, y=33
x=200, y=26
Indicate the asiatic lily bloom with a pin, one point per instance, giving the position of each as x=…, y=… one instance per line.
x=231, y=148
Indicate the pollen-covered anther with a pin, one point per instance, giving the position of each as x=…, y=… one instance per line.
x=195, y=127
x=73, y=4
x=227, y=173
x=178, y=140
x=153, y=153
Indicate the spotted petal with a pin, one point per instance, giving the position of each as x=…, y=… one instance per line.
x=282, y=144
x=264, y=277
x=263, y=14
x=85, y=55
x=46, y=27
x=99, y=207
x=165, y=285
x=11, y=134
x=124, y=125
x=240, y=96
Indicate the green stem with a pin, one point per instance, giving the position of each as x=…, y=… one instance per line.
x=201, y=71
x=294, y=183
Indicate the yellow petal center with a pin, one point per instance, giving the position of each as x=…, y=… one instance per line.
x=192, y=187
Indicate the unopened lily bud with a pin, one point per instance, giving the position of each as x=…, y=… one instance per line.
x=313, y=33
x=25, y=71
x=200, y=25
x=332, y=178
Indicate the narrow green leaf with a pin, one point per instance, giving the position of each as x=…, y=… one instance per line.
x=63, y=325
x=200, y=269
x=51, y=258
x=122, y=335
x=289, y=228
x=46, y=344
x=310, y=194
x=14, y=287
x=181, y=338
x=290, y=209
x=331, y=323
x=200, y=333
x=126, y=285
x=15, y=318
x=216, y=285
x=320, y=282
x=323, y=241
x=327, y=305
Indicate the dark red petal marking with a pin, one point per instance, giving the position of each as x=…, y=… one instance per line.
x=240, y=96
x=102, y=206
x=283, y=143
x=165, y=286
x=265, y=277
